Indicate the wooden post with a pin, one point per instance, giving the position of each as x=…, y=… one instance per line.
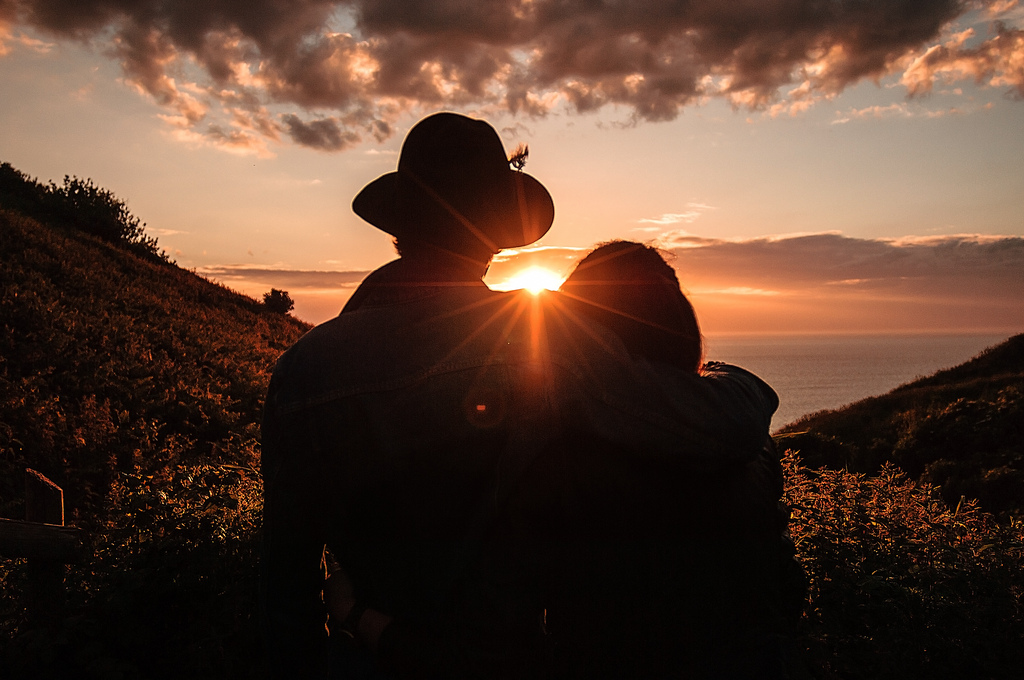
x=44, y=502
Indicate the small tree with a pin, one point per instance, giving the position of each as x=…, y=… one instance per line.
x=278, y=301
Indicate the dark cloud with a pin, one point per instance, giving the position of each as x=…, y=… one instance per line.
x=651, y=56
x=8, y=11
x=947, y=266
x=292, y=279
x=324, y=134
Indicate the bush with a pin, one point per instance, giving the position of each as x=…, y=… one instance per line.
x=901, y=586
x=961, y=429
x=93, y=210
x=77, y=204
x=278, y=301
x=138, y=388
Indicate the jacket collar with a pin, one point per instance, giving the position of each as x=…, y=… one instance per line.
x=406, y=280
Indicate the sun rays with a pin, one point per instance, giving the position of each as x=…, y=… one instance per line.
x=532, y=279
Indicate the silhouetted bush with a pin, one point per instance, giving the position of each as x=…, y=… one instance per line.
x=94, y=210
x=21, y=193
x=278, y=301
x=77, y=204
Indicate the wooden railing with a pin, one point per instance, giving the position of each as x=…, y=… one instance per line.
x=48, y=545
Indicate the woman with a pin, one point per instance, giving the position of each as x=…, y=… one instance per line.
x=664, y=570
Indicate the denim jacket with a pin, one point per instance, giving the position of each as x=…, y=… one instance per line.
x=392, y=432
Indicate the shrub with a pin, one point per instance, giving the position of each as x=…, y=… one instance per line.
x=961, y=429
x=137, y=387
x=901, y=586
x=94, y=210
x=278, y=301
x=77, y=204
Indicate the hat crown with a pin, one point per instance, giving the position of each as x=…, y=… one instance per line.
x=454, y=185
x=463, y=162
x=447, y=146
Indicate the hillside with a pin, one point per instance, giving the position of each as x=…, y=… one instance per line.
x=138, y=386
x=961, y=429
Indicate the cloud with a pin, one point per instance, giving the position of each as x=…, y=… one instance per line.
x=508, y=263
x=672, y=218
x=900, y=110
x=817, y=282
x=689, y=216
x=318, y=295
x=324, y=134
x=828, y=282
x=331, y=73
x=998, y=61
x=247, y=277
x=833, y=283
x=951, y=267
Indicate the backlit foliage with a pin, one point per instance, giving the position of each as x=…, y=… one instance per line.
x=137, y=387
x=278, y=301
x=901, y=585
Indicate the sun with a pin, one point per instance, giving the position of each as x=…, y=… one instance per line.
x=533, y=279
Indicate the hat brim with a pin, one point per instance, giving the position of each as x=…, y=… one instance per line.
x=395, y=204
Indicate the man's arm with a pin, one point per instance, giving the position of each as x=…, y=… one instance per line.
x=718, y=418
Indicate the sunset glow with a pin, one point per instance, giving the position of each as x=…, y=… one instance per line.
x=842, y=184
x=533, y=279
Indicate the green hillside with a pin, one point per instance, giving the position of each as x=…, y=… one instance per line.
x=961, y=429
x=137, y=386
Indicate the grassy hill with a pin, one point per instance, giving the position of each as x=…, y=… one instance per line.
x=138, y=386
x=961, y=430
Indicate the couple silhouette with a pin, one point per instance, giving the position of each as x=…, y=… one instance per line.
x=460, y=482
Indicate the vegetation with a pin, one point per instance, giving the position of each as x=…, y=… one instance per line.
x=902, y=586
x=961, y=430
x=77, y=204
x=138, y=388
x=278, y=301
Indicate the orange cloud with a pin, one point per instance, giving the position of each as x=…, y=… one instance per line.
x=999, y=61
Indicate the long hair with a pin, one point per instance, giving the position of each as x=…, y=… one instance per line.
x=629, y=288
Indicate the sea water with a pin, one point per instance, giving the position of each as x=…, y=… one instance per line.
x=811, y=373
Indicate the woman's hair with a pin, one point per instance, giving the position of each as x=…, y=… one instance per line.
x=630, y=289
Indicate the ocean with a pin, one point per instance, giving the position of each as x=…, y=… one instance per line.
x=811, y=373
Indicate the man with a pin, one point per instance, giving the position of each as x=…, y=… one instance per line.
x=394, y=432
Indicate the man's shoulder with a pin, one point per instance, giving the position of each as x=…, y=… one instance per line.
x=376, y=346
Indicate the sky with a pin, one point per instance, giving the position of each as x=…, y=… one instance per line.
x=808, y=166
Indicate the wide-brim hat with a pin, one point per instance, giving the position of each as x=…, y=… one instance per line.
x=454, y=185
